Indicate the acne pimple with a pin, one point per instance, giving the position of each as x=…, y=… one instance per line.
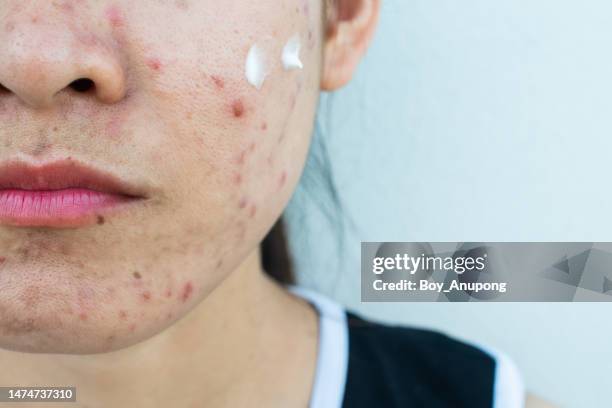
x=238, y=108
x=154, y=63
x=187, y=291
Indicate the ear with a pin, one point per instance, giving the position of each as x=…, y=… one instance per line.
x=350, y=27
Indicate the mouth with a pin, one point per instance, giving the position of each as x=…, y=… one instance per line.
x=61, y=194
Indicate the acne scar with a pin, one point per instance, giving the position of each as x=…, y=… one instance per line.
x=253, y=211
x=187, y=291
x=146, y=296
x=122, y=314
x=242, y=203
x=100, y=220
x=264, y=126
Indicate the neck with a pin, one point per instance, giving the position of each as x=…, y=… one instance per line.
x=236, y=347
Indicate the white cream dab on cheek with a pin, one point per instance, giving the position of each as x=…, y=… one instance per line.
x=256, y=67
x=291, y=54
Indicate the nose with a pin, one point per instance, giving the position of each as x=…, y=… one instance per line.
x=39, y=62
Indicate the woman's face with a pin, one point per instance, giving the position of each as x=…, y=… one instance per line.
x=179, y=113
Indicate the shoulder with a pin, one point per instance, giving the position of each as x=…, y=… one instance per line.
x=396, y=366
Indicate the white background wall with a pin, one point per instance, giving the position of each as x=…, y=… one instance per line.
x=477, y=120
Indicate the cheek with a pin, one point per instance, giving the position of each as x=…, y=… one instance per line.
x=243, y=141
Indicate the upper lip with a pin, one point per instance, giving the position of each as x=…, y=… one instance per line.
x=63, y=174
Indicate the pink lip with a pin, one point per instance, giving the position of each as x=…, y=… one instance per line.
x=60, y=194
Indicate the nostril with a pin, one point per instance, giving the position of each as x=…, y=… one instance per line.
x=82, y=85
x=4, y=89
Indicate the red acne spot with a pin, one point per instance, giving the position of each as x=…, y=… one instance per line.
x=237, y=179
x=252, y=147
x=242, y=203
x=154, y=63
x=241, y=159
x=182, y=4
x=238, y=108
x=219, y=82
x=264, y=126
x=146, y=296
x=187, y=291
x=253, y=211
x=132, y=327
x=67, y=7
x=114, y=16
x=2, y=260
x=83, y=316
x=168, y=293
x=169, y=316
x=122, y=314
x=282, y=180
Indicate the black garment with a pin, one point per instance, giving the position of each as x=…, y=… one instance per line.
x=393, y=367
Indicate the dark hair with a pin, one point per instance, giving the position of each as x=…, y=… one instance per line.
x=317, y=183
x=275, y=257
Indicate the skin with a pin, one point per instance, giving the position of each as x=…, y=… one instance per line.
x=172, y=285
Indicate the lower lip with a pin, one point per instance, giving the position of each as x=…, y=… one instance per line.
x=71, y=207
